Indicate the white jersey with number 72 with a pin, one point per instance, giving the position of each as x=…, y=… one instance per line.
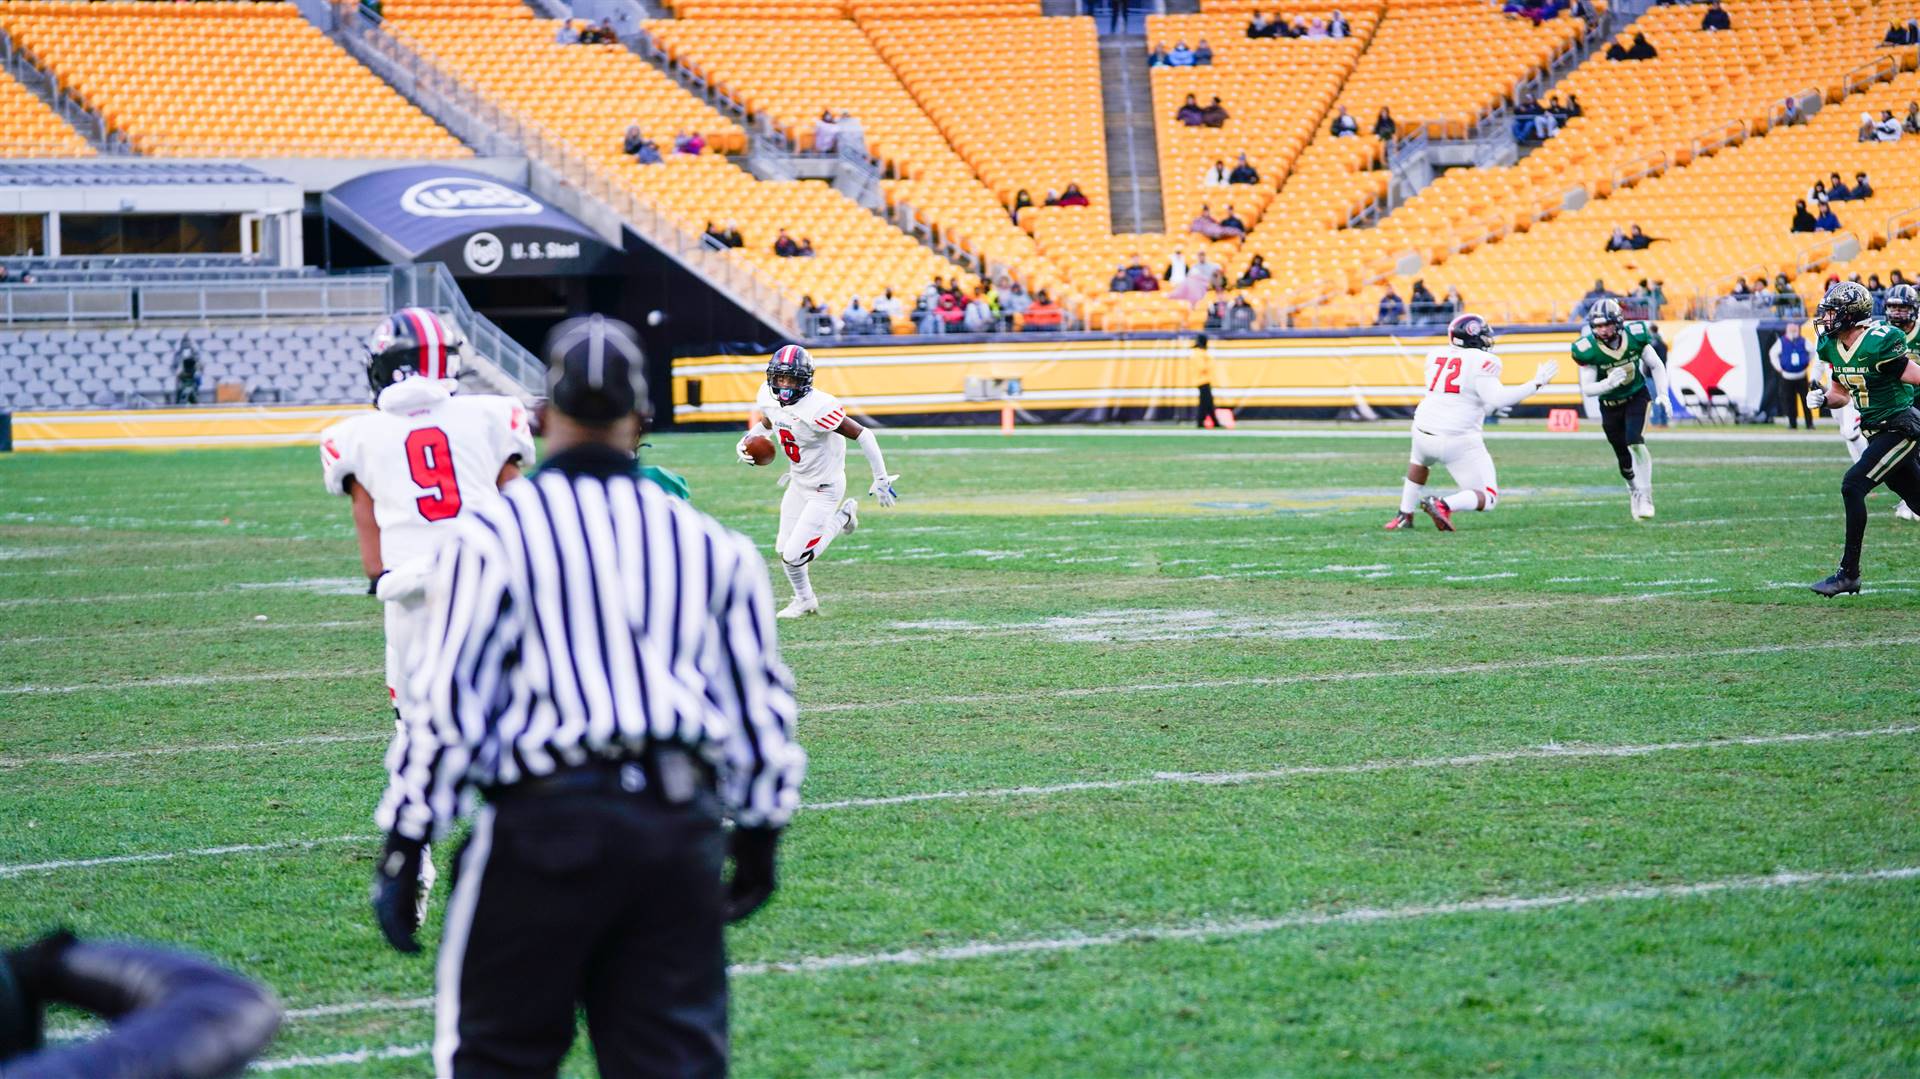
x=1459, y=380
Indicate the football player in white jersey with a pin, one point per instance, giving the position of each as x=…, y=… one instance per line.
x=811, y=429
x=1463, y=385
x=420, y=458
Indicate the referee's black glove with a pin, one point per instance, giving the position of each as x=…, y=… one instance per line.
x=753, y=883
x=396, y=891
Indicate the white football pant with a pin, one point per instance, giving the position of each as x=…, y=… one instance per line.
x=1467, y=461
x=809, y=521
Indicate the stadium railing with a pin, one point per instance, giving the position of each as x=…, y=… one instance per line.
x=432, y=285
x=494, y=131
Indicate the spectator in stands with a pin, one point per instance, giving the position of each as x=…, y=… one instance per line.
x=1827, y=221
x=690, y=143
x=784, y=246
x=1867, y=127
x=1716, y=17
x=1337, y=26
x=1638, y=240
x=855, y=320
x=1316, y=30
x=713, y=232
x=1139, y=278
x=853, y=136
x=1243, y=172
x=1803, y=220
x=1205, y=225
x=1639, y=302
x=1641, y=49
x=1193, y=288
x=1121, y=281
x=1021, y=200
x=1240, y=316
x=1053, y=197
x=1896, y=35
x=1393, y=309
x=1819, y=195
x=826, y=132
x=1259, y=27
x=1618, y=241
x=1912, y=123
x=186, y=372
x=1559, y=111
x=813, y=318
x=1528, y=121
x=886, y=308
x=1176, y=270
x=1215, y=114
x=634, y=140
x=1421, y=307
x=1454, y=303
x=1888, y=129
x=1256, y=272
x=1741, y=290
x=979, y=316
x=806, y=248
x=1232, y=223
x=731, y=237
x=1014, y=302
x=1073, y=196
x=951, y=311
x=1838, y=191
x=1596, y=293
x=1384, y=128
x=1203, y=54
x=1157, y=56
x=566, y=34
x=1573, y=106
x=1217, y=175
x=1043, y=315
x=1180, y=55
x=1344, y=125
x=1861, y=188
x=1190, y=112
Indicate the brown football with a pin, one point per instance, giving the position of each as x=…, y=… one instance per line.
x=760, y=448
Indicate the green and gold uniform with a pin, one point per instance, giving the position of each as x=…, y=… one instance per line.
x=1870, y=371
x=1635, y=339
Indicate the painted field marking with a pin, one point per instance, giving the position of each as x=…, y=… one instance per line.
x=1195, y=931
x=1551, y=752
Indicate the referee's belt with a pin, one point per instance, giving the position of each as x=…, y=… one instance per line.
x=667, y=774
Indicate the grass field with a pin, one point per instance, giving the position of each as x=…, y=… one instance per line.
x=1134, y=753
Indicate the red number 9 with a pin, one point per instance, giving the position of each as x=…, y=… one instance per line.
x=430, y=459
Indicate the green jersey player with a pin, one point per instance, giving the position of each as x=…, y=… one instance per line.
x=1873, y=368
x=1617, y=361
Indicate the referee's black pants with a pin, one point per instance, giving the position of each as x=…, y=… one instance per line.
x=1892, y=457
x=602, y=899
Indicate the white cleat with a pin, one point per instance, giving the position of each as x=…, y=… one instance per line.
x=799, y=607
x=850, y=509
x=1642, y=507
x=1905, y=513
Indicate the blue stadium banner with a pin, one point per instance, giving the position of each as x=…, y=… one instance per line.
x=477, y=225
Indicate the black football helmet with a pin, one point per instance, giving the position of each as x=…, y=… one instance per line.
x=1470, y=331
x=795, y=362
x=1903, y=307
x=412, y=342
x=1604, y=318
x=1846, y=304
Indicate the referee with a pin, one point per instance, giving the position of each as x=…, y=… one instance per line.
x=600, y=665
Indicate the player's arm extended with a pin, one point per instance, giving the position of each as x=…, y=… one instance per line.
x=882, y=488
x=1656, y=371
x=366, y=529
x=1496, y=395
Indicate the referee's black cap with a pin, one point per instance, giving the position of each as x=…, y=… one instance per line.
x=596, y=370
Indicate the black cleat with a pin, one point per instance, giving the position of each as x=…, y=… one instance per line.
x=1837, y=585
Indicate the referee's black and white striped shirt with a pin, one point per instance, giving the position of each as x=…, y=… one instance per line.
x=588, y=615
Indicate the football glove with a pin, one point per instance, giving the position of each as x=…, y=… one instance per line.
x=1545, y=372
x=882, y=490
x=1816, y=398
x=397, y=893
x=406, y=584
x=740, y=450
x=753, y=871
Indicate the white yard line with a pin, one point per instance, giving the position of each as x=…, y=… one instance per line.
x=1396, y=432
x=1157, y=779
x=22, y=868
x=188, y=749
x=189, y=680
x=868, y=708
x=1201, y=931
x=165, y=633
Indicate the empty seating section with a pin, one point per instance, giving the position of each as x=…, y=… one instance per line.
x=223, y=79
x=1499, y=234
x=307, y=363
x=29, y=128
x=838, y=9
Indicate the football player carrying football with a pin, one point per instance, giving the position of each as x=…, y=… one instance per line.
x=1872, y=365
x=812, y=429
x=1617, y=359
x=1463, y=385
x=416, y=461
